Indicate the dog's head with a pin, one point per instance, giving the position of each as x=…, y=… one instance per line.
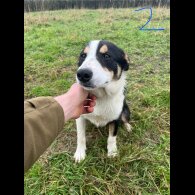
x=100, y=63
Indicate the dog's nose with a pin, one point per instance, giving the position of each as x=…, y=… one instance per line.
x=84, y=75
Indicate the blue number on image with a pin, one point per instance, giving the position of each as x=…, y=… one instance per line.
x=142, y=28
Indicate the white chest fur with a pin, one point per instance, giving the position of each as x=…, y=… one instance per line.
x=106, y=110
x=109, y=103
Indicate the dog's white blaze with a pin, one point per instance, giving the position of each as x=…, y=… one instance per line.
x=90, y=60
x=93, y=45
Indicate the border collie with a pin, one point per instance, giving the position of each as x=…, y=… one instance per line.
x=102, y=70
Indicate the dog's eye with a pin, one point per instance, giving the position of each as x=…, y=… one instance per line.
x=83, y=55
x=105, y=55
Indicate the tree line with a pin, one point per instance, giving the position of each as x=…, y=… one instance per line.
x=41, y=5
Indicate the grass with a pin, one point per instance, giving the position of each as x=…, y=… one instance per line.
x=53, y=41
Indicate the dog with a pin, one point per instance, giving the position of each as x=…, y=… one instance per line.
x=102, y=71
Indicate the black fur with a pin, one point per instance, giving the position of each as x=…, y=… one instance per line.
x=116, y=57
x=125, y=112
x=116, y=125
x=126, y=118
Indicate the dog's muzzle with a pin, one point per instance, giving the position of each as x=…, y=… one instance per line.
x=84, y=75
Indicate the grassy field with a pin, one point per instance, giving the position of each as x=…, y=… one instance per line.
x=53, y=41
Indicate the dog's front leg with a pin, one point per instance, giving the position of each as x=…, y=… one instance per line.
x=81, y=139
x=112, y=147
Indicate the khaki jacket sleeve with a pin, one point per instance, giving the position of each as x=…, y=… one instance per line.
x=43, y=120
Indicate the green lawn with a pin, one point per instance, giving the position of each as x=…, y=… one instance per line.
x=53, y=41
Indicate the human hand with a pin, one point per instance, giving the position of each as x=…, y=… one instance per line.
x=76, y=102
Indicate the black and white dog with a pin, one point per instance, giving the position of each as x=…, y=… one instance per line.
x=102, y=68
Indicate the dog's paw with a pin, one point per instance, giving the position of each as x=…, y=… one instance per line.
x=128, y=127
x=112, y=151
x=79, y=155
x=112, y=154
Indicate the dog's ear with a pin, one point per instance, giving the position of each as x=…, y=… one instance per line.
x=126, y=62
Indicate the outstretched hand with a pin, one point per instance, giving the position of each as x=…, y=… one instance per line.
x=76, y=102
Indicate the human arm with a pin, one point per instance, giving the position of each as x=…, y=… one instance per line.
x=44, y=118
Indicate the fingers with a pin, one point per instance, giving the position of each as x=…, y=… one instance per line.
x=88, y=110
x=91, y=96
x=89, y=104
x=92, y=103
